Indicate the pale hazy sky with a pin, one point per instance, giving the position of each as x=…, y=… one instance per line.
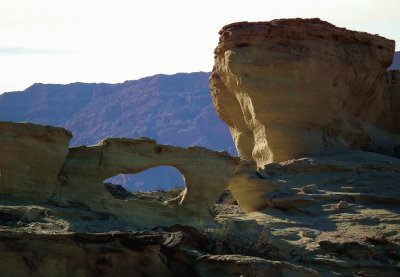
x=63, y=41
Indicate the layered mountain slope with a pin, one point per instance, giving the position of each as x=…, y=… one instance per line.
x=172, y=109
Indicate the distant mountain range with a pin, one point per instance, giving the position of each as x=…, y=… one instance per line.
x=396, y=61
x=173, y=109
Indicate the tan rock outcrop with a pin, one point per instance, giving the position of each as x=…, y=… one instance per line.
x=290, y=88
x=31, y=157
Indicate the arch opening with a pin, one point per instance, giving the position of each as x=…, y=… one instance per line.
x=159, y=183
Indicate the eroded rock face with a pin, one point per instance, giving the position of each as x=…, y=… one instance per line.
x=31, y=157
x=296, y=87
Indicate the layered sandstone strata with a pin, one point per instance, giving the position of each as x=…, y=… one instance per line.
x=296, y=87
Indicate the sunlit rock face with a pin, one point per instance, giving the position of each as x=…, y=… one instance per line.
x=290, y=88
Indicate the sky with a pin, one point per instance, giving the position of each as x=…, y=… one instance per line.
x=64, y=41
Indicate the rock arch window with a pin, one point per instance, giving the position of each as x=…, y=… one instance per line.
x=157, y=183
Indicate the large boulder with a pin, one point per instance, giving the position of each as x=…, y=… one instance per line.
x=31, y=157
x=295, y=87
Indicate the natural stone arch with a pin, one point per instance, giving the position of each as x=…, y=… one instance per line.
x=207, y=174
x=76, y=177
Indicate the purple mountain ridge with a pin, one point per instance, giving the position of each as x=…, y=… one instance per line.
x=173, y=109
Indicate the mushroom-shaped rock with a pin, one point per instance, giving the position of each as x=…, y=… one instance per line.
x=291, y=88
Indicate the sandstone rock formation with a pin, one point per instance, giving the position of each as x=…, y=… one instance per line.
x=30, y=159
x=36, y=164
x=296, y=87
